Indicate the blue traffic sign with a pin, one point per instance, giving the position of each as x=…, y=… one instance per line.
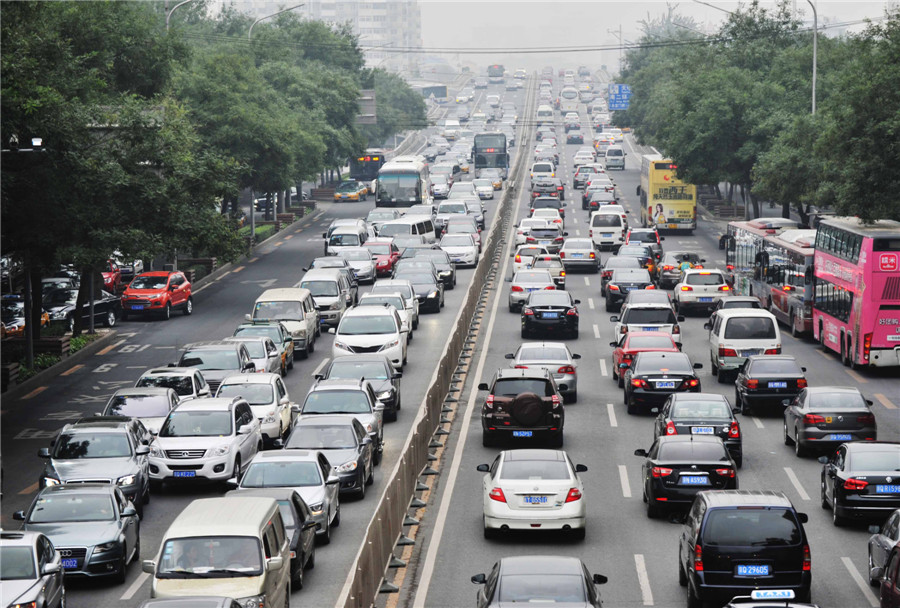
x=619, y=96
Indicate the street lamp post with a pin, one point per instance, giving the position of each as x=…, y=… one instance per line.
x=815, y=53
x=174, y=8
x=250, y=32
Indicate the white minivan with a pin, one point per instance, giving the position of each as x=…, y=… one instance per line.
x=607, y=230
x=416, y=225
x=615, y=158
x=738, y=333
x=295, y=307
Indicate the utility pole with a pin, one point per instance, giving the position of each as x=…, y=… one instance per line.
x=815, y=53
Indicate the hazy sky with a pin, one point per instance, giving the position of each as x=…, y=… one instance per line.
x=518, y=24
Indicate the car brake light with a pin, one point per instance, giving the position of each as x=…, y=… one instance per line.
x=593, y=255
x=562, y=254
x=660, y=472
x=687, y=288
x=591, y=233
x=691, y=383
x=518, y=259
x=725, y=472
x=613, y=287
x=866, y=419
x=650, y=287
x=667, y=267
x=773, y=351
x=670, y=428
x=867, y=346
x=698, y=559
x=550, y=287
x=801, y=383
x=639, y=383
x=753, y=383
x=573, y=495
x=566, y=369
x=528, y=312
x=516, y=288
x=807, y=559
x=489, y=402
x=554, y=400
x=626, y=358
x=497, y=494
x=734, y=431
x=572, y=312
x=521, y=367
x=724, y=288
x=813, y=419
x=729, y=267
x=676, y=329
x=855, y=484
x=562, y=273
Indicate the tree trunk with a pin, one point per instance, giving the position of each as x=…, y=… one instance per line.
x=730, y=195
x=786, y=210
x=37, y=297
x=718, y=191
x=746, y=192
x=83, y=294
x=282, y=195
x=804, y=216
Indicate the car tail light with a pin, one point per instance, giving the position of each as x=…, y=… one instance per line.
x=530, y=239
x=676, y=329
x=572, y=312
x=497, y=494
x=660, y=472
x=573, y=495
x=670, y=428
x=734, y=431
x=489, y=402
x=613, y=287
x=606, y=274
x=566, y=369
x=639, y=383
x=562, y=254
x=724, y=288
x=729, y=267
x=519, y=258
x=698, y=266
x=555, y=400
x=725, y=472
x=807, y=559
x=593, y=255
x=558, y=222
x=559, y=188
x=813, y=419
x=667, y=267
x=773, y=351
x=801, y=383
x=855, y=484
x=753, y=383
x=550, y=287
x=687, y=288
x=650, y=287
x=563, y=273
x=867, y=346
x=521, y=367
x=591, y=233
x=516, y=288
x=698, y=559
x=727, y=352
x=627, y=358
x=866, y=419
x=528, y=312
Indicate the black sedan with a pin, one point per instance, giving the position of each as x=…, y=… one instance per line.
x=428, y=287
x=574, y=137
x=60, y=303
x=883, y=539
x=700, y=414
x=299, y=525
x=676, y=467
x=545, y=579
x=445, y=267
x=824, y=417
x=345, y=443
x=377, y=370
x=861, y=480
x=767, y=380
x=653, y=376
x=615, y=262
x=621, y=282
x=550, y=312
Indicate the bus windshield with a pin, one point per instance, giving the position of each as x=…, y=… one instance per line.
x=398, y=187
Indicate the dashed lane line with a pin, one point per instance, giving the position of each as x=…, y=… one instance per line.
x=885, y=401
x=796, y=482
x=596, y=331
x=279, y=243
x=623, y=478
x=238, y=269
x=757, y=422
x=587, y=281
x=71, y=370
x=603, y=368
x=643, y=579
x=859, y=379
x=612, y=415
x=858, y=579
x=29, y=490
x=251, y=260
x=289, y=237
x=110, y=348
x=322, y=365
x=591, y=303
x=135, y=586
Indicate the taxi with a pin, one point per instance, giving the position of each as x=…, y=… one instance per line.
x=351, y=190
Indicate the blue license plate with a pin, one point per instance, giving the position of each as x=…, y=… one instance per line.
x=840, y=437
x=753, y=570
x=184, y=473
x=648, y=328
x=694, y=480
x=607, y=235
x=887, y=489
x=343, y=196
x=535, y=500
x=551, y=315
x=69, y=564
x=705, y=299
x=577, y=255
x=137, y=307
x=702, y=430
x=665, y=384
x=777, y=384
x=522, y=433
x=544, y=242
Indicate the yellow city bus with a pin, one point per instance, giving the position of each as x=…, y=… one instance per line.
x=666, y=201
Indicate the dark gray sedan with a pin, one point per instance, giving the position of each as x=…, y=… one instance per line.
x=824, y=417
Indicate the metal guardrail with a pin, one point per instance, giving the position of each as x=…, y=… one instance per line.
x=376, y=552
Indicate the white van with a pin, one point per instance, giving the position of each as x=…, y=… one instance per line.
x=738, y=333
x=544, y=115
x=346, y=236
x=295, y=307
x=542, y=169
x=417, y=225
x=243, y=535
x=331, y=292
x=615, y=158
x=607, y=230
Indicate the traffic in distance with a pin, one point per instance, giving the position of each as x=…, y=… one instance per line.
x=734, y=377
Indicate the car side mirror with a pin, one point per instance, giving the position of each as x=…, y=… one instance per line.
x=309, y=524
x=247, y=317
x=698, y=366
x=379, y=406
x=484, y=387
x=245, y=429
x=662, y=238
x=680, y=318
x=148, y=566
x=295, y=408
x=173, y=364
x=823, y=459
x=640, y=452
x=785, y=402
x=332, y=330
x=44, y=453
x=366, y=440
x=484, y=468
x=869, y=402
x=803, y=369
x=479, y=579
x=249, y=366
x=203, y=392
x=396, y=375
x=278, y=443
x=508, y=279
x=129, y=511
x=874, y=529
x=142, y=450
x=565, y=234
x=274, y=563
x=599, y=579
x=735, y=410
x=19, y=515
x=623, y=366
x=581, y=468
x=510, y=356
x=614, y=344
x=232, y=483
x=576, y=356
x=51, y=568
x=324, y=236
x=614, y=319
x=333, y=479
x=707, y=326
x=173, y=287
x=803, y=517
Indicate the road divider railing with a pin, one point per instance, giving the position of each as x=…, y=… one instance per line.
x=366, y=576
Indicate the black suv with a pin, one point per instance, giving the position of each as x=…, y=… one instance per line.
x=735, y=541
x=522, y=404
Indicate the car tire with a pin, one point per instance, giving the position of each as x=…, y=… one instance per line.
x=873, y=582
x=799, y=449
x=823, y=498
x=119, y=577
x=787, y=438
x=416, y=323
x=557, y=440
x=390, y=415
x=167, y=312
x=692, y=600
x=325, y=538
x=311, y=346
x=361, y=492
x=371, y=478
x=653, y=509
x=290, y=364
x=712, y=367
x=110, y=320
x=282, y=371
x=744, y=404
x=304, y=352
x=487, y=439
x=376, y=456
x=682, y=577
x=794, y=332
x=337, y=516
x=837, y=520
x=524, y=333
x=311, y=561
x=188, y=307
x=608, y=307
x=297, y=581
x=722, y=377
x=512, y=308
x=572, y=397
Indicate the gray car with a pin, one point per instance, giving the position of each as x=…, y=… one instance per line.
x=31, y=571
x=197, y=601
x=264, y=353
x=94, y=527
x=556, y=358
x=361, y=261
x=579, y=254
x=526, y=281
x=150, y=405
x=216, y=359
x=883, y=539
x=672, y=265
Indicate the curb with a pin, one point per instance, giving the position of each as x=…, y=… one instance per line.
x=54, y=370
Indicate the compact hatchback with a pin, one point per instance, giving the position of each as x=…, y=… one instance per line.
x=700, y=289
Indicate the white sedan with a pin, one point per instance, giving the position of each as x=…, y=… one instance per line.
x=461, y=248
x=484, y=187
x=529, y=489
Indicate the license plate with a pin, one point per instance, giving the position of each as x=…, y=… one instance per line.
x=551, y=315
x=577, y=255
x=694, y=480
x=705, y=299
x=840, y=437
x=343, y=196
x=522, y=433
x=665, y=384
x=887, y=489
x=69, y=564
x=752, y=570
x=673, y=226
x=535, y=500
x=648, y=328
x=702, y=430
x=607, y=235
x=137, y=307
x=777, y=384
x=184, y=473
x=544, y=242
x=748, y=353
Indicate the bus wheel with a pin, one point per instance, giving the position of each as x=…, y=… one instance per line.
x=844, y=348
x=794, y=332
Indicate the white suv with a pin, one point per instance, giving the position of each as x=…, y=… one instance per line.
x=700, y=289
x=213, y=439
x=636, y=318
x=268, y=400
x=369, y=329
x=395, y=299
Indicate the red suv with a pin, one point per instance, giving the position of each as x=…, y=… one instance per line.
x=157, y=292
x=112, y=277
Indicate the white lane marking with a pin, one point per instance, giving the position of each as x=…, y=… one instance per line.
x=322, y=365
x=587, y=281
x=623, y=477
x=577, y=232
x=643, y=579
x=135, y=586
x=612, y=415
x=757, y=422
x=591, y=303
x=858, y=579
x=793, y=477
x=596, y=331
x=603, y=368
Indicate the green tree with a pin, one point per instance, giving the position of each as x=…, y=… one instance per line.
x=398, y=107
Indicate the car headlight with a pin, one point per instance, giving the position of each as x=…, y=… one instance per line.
x=256, y=601
x=156, y=451
x=341, y=345
x=370, y=427
x=270, y=418
x=222, y=449
x=50, y=481
x=298, y=333
x=126, y=480
x=59, y=314
x=433, y=294
x=383, y=395
x=335, y=306
x=445, y=273
x=106, y=546
x=346, y=467
x=390, y=344
x=317, y=508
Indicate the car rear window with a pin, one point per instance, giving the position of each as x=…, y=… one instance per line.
x=691, y=451
x=637, y=341
x=542, y=168
x=532, y=251
x=547, y=204
x=705, y=278
x=685, y=409
x=741, y=304
x=631, y=275
x=528, y=588
x=778, y=366
x=394, y=229
x=839, y=400
x=533, y=277
x=510, y=387
x=542, y=263
x=544, y=233
x=750, y=328
x=751, y=526
x=606, y=219
x=677, y=363
x=534, y=470
x=543, y=353
x=663, y=316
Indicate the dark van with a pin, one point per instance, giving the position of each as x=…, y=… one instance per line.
x=735, y=541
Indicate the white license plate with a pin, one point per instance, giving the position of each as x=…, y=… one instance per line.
x=777, y=384
x=694, y=480
x=184, y=473
x=702, y=430
x=665, y=384
x=705, y=299
x=535, y=500
x=523, y=433
x=69, y=564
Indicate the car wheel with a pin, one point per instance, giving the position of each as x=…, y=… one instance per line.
x=361, y=492
x=722, y=376
x=290, y=364
x=608, y=307
x=799, y=450
x=282, y=371
x=297, y=580
x=787, y=438
x=325, y=538
x=119, y=576
x=487, y=439
x=572, y=397
x=794, y=332
x=822, y=496
x=390, y=415
x=512, y=308
x=311, y=346
x=712, y=367
x=692, y=600
x=743, y=403
x=70, y=323
x=376, y=456
x=682, y=577
x=371, y=478
x=188, y=307
x=311, y=561
x=337, y=516
x=416, y=323
x=837, y=520
x=524, y=333
x=653, y=509
x=304, y=352
x=631, y=407
x=167, y=312
x=874, y=582
x=557, y=440
x=110, y=319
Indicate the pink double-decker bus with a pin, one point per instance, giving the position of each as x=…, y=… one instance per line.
x=856, y=310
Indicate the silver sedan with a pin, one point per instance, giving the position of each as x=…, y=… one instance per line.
x=556, y=358
x=526, y=281
x=579, y=254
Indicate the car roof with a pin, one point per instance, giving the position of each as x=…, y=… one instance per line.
x=286, y=456
x=259, y=378
x=541, y=565
x=78, y=488
x=337, y=383
x=324, y=420
x=368, y=311
x=689, y=439
x=209, y=404
x=98, y=423
x=873, y=446
x=197, y=601
x=698, y=397
x=283, y=294
x=208, y=516
x=210, y=344
x=22, y=538
x=727, y=313
x=322, y=273
x=728, y=498
x=362, y=357
x=276, y=493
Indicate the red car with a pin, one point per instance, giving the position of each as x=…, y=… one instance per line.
x=386, y=255
x=633, y=343
x=112, y=277
x=157, y=292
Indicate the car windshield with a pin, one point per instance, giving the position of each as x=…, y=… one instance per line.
x=281, y=310
x=395, y=229
x=531, y=251
x=183, y=385
x=639, y=341
x=677, y=363
x=256, y=348
x=62, y=507
x=549, y=298
x=344, y=369
x=139, y=406
x=255, y=394
x=750, y=328
x=367, y=326
x=275, y=474
x=210, y=557
x=455, y=208
x=510, y=387
x=417, y=278
x=344, y=240
x=151, y=282
x=210, y=359
x=768, y=526
x=534, y=470
x=60, y=297
x=71, y=446
x=16, y=564
x=337, y=402
x=457, y=241
x=376, y=300
x=631, y=276
x=543, y=353
x=643, y=316
x=528, y=588
x=776, y=366
x=356, y=256
x=197, y=424
x=684, y=409
x=380, y=215
x=533, y=277
x=321, y=437
x=705, y=278
x=320, y=289
x=378, y=248
x=348, y=187
x=483, y=183
x=835, y=400
x=693, y=451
